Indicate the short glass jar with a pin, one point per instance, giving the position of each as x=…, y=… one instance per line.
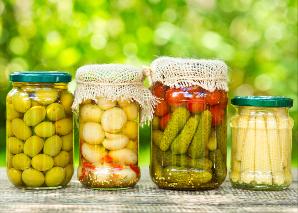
x=39, y=144
x=189, y=138
x=109, y=137
x=261, y=143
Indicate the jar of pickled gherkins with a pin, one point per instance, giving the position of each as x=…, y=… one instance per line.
x=39, y=144
x=189, y=133
x=261, y=143
x=111, y=102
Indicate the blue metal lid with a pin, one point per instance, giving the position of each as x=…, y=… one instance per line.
x=40, y=77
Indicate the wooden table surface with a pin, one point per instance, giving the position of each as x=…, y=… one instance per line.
x=145, y=197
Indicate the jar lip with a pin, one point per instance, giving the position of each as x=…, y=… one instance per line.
x=40, y=77
x=262, y=101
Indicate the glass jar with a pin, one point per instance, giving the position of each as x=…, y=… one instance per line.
x=189, y=136
x=39, y=143
x=261, y=143
x=109, y=136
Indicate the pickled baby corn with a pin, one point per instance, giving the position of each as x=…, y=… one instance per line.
x=248, y=153
x=274, y=150
x=262, y=160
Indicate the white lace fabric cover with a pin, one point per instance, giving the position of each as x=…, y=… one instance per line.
x=179, y=72
x=114, y=82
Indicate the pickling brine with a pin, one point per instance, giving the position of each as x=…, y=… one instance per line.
x=261, y=143
x=39, y=130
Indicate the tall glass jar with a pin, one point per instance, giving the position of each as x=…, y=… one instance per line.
x=111, y=101
x=189, y=132
x=39, y=144
x=261, y=143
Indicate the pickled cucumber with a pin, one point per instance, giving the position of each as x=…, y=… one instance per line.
x=66, y=101
x=200, y=139
x=67, y=142
x=21, y=161
x=63, y=126
x=11, y=113
x=52, y=145
x=90, y=113
x=55, y=176
x=184, y=177
x=20, y=130
x=155, y=122
x=46, y=96
x=68, y=173
x=130, y=129
x=15, y=146
x=42, y=162
x=34, y=115
x=32, y=177
x=182, y=141
x=21, y=101
x=221, y=137
x=220, y=167
x=62, y=159
x=33, y=145
x=55, y=112
x=15, y=176
x=212, y=143
x=156, y=137
x=45, y=129
x=176, y=123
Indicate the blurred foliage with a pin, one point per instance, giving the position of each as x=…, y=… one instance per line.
x=256, y=38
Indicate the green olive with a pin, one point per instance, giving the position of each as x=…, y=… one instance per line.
x=45, y=129
x=21, y=161
x=63, y=126
x=32, y=177
x=42, y=162
x=8, y=129
x=11, y=113
x=21, y=101
x=33, y=145
x=55, y=176
x=20, y=130
x=68, y=173
x=67, y=142
x=9, y=160
x=52, y=145
x=55, y=112
x=66, y=101
x=34, y=115
x=46, y=96
x=35, y=103
x=62, y=159
x=15, y=176
x=15, y=146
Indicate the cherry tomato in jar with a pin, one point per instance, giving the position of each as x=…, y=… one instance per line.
x=163, y=122
x=161, y=109
x=158, y=90
x=213, y=98
x=175, y=96
x=218, y=114
x=196, y=105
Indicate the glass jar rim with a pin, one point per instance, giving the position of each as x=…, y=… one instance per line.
x=262, y=101
x=40, y=77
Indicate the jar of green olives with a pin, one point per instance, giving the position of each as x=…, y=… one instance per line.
x=39, y=127
x=189, y=131
x=111, y=102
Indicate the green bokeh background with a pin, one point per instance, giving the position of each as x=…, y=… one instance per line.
x=256, y=38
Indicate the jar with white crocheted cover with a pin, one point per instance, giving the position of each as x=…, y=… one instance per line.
x=189, y=132
x=110, y=98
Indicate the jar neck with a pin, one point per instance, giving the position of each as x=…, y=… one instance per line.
x=25, y=85
x=249, y=110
